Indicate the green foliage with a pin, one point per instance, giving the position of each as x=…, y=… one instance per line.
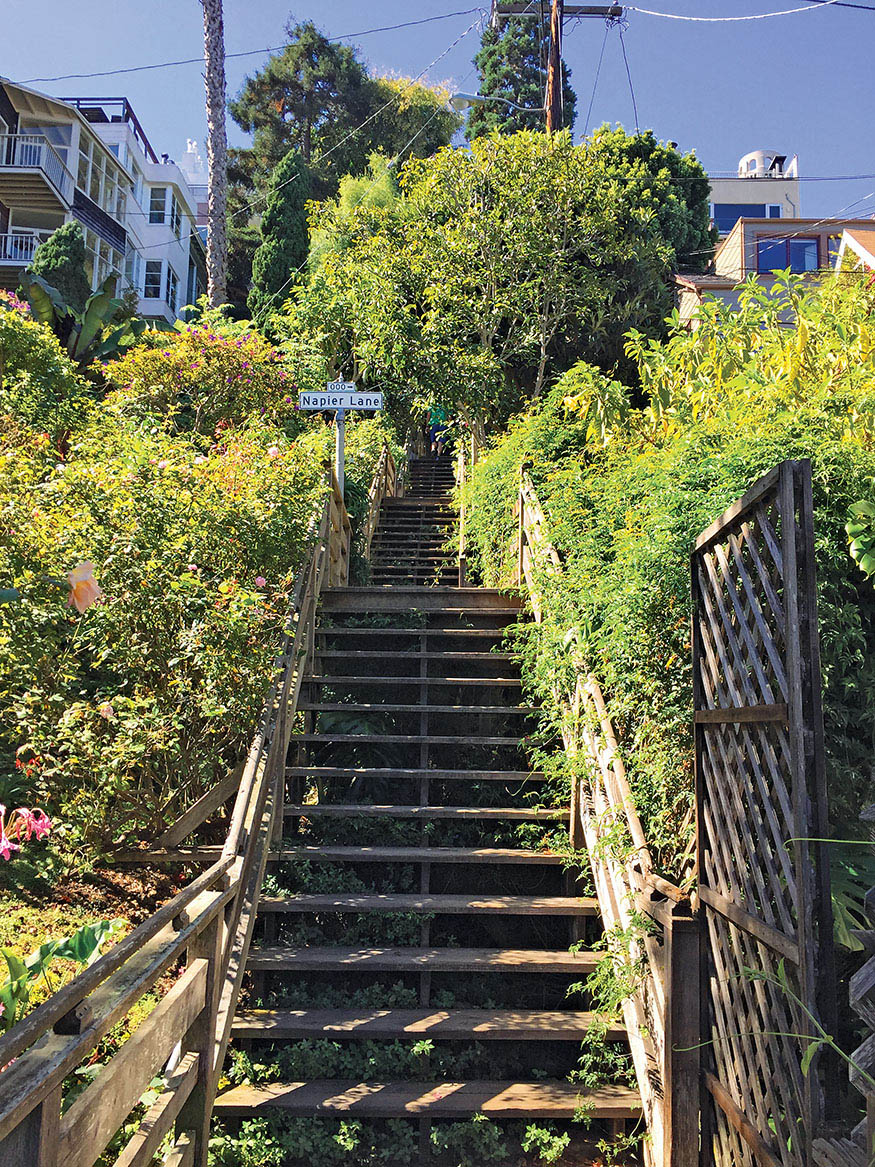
x=60, y=261
x=190, y=490
x=317, y=97
x=497, y=269
x=628, y=489
x=283, y=250
x=512, y=64
x=79, y=950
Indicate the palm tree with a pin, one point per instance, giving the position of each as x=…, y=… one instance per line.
x=217, y=152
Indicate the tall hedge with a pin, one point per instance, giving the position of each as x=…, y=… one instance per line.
x=60, y=260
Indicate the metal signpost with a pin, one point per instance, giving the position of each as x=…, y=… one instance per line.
x=340, y=396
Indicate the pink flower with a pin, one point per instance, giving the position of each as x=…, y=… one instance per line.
x=273, y=451
x=40, y=822
x=163, y=464
x=200, y=458
x=193, y=568
x=6, y=844
x=106, y=711
x=83, y=587
x=260, y=581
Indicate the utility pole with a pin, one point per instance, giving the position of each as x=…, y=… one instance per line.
x=554, y=70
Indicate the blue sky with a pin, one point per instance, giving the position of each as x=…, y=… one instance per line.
x=800, y=84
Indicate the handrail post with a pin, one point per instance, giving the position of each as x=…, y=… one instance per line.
x=194, y=1117
x=681, y=1057
x=34, y=1142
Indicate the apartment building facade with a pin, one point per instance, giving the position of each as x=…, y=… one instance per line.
x=766, y=186
x=89, y=160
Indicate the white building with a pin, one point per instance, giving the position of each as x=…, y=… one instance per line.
x=89, y=159
x=766, y=187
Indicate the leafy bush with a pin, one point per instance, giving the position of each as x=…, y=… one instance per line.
x=628, y=490
x=189, y=491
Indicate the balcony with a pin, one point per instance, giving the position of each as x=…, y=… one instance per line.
x=33, y=174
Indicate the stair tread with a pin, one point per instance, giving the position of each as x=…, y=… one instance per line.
x=340, y=853
x=342, y=679
x=410, y=707
x=445, y=905
x=402, y=811
x=403, y=772
x=326, y=959
x=544, y=1099
x=452, y=1025
x=379, y=654
x=410, y=738
x=344, y=630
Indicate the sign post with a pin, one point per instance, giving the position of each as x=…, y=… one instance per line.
x=340, y=396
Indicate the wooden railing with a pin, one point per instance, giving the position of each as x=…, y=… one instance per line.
x=384, y=485
x=662, y=1015
x=466, y=459
x=206, y=927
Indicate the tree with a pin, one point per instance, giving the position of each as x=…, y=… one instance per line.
x=217, y=152
x=308, y=97
x=284, y=239
x=60, y=261
x=317, y=97
x=335, y=220
x=512, y=63
x=501, y=266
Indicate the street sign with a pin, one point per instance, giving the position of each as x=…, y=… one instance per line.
x=347, y=397
x=340, y=396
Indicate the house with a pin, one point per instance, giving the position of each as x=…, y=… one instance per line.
x=856, y=250
x=766, y=187
x=761, y=247
x=90, y=160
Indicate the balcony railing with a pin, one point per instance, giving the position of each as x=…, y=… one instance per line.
x=18, y=247
x=35, y=152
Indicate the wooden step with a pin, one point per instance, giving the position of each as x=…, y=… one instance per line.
x=451, y=1025
x=453, y=654
x=339, y=854
x=377, y=707
x=472, y=633
x=341, y=680
x=523, y=1100
x=401, y=598
x=284, y=958
x=476, y=813
x=438, y=905
x=410, y=739
x=509, y=776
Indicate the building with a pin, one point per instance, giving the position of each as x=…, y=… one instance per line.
x=856, y=250
x=89, y=159
x=766, y=187
x=761, y=247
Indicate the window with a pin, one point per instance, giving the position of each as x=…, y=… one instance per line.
x=138, y=184
x=96, y=178
x=172, y=287
x=773, y=211
x=799, y=254
x=134, y=270
x=175, y=215
x=833, y=244
x=152, y=284
x=726, y=215
x=157, y=204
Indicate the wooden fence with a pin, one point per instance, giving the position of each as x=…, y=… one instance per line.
x=768, y=973
x=661, y=1017
x=201, y=937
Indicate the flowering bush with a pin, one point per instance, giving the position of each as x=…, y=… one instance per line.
x=151, y=568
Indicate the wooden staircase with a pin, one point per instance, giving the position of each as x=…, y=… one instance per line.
x=413, y=825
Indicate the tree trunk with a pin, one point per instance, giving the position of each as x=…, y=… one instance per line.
x=217, y=153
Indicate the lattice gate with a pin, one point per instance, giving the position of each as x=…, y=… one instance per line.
x=761, y=797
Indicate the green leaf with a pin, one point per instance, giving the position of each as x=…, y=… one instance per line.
x=46, y=303
x=807, y=1058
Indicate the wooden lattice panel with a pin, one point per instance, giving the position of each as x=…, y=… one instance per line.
x=760, y=796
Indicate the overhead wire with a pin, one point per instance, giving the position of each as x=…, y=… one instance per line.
x=596, y=80
x=629, y=77
x=810, y=7
x=248, y=52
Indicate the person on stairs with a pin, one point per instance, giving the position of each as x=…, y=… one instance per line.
x=437, y=428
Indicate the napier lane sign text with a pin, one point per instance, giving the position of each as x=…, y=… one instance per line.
x=345, y=396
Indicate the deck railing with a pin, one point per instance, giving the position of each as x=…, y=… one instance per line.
x=384, y=485
x=662, y=1015
x=17, y=247
x=206, y=928
x=36, y=152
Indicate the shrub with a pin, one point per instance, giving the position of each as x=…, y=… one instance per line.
x=60, y=260
x=629, y=490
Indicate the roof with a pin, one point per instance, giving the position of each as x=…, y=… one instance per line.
x=703, y=282
x=862, y=241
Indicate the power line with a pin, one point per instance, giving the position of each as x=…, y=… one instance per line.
x=629, y=76
x=731, y=19
x=249, y=52
x=596, y=81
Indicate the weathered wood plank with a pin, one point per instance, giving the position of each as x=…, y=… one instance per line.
x=201, y=810
x=453, y=1025
x=99, y=1111
x=159, y=1119
x=416, y=959
x=362, y=810
x=448, y=905
x=434, y=1100
x=742, y=713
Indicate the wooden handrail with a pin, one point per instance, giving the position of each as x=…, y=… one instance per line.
x=661, y=1016
x=383, y=485
x=210, y=922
